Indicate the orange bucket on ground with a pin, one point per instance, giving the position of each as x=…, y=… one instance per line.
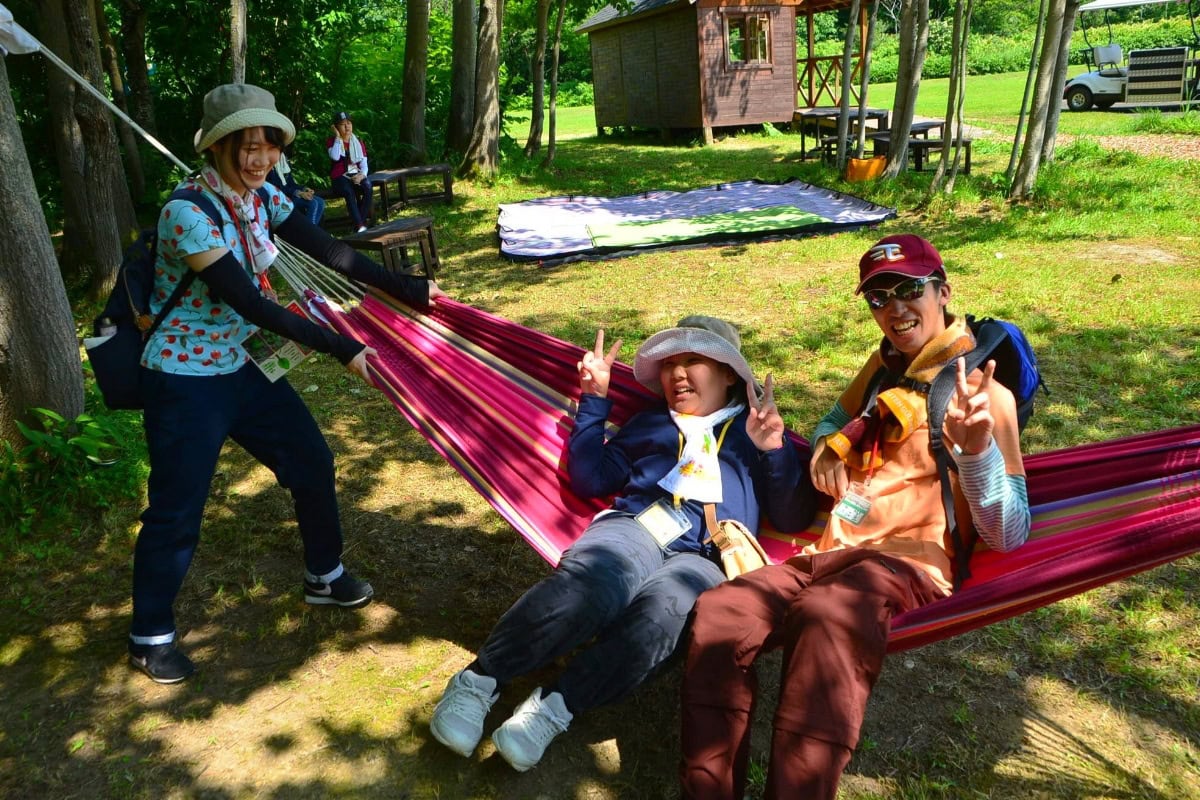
x=864, y=169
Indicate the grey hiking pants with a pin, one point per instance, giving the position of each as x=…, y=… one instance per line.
x=616, y=585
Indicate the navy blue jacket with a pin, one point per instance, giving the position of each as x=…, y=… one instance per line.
x=631, y=463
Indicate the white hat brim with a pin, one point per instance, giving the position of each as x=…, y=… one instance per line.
x=245, y=118
x=674, y=341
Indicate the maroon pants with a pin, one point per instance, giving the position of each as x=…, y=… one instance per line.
x=831, y=614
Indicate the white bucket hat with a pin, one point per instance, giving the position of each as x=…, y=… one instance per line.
x=706, y=336
x=233, y=106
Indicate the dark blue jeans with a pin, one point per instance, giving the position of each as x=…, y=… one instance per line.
x=359, y=197
x=187, y=420
x=614, y=584
x=312, y=210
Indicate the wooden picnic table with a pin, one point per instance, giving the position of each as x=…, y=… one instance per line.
x=821, y=117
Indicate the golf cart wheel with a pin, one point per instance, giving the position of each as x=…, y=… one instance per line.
x=1079, y=98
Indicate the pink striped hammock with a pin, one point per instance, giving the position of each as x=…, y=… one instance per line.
x=496, y=400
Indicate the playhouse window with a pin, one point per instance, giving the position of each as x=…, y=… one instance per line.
x=748, y=38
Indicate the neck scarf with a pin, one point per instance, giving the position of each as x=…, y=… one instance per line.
x=262, y=252
x=283, y=167
x=355, y=150
x=697, y=474
x=900, y=407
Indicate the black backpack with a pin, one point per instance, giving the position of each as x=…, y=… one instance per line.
x=125, y=323
x=1016, y=368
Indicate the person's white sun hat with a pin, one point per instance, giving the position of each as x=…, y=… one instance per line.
x=706, y=336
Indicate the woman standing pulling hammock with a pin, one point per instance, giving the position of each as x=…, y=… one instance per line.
x=200, y=385
x=883, y=551
x=629, y=582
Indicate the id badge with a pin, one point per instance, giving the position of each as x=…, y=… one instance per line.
x=854, y=505
x=664, y=522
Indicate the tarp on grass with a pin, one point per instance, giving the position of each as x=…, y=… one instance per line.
x=557, y=229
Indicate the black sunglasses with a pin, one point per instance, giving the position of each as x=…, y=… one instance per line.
x=908, y=290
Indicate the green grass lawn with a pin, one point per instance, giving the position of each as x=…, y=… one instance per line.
x=1091, y=697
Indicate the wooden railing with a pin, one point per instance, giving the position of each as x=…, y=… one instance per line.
x=820, y=81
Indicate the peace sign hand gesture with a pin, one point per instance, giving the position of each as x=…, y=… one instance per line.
x=764, y=425
x=595, y=369
x=969, y=422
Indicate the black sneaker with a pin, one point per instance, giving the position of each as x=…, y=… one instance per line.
x=164, y=663
x=346, y=591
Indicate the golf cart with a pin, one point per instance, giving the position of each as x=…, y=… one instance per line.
x=1151, y=77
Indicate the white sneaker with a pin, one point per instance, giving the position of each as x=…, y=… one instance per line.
x=458, y=718
x=524, y=737
x=361, y=228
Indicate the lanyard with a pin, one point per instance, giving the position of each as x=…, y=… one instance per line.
x=720, y=440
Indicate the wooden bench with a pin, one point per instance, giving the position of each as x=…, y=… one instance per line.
x=402, y=177
x=919, y=149
x=392, y=241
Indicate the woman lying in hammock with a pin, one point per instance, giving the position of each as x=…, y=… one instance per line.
x=628, y=584
x=882, y=553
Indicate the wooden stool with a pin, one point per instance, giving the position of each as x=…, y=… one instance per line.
x=392, y=241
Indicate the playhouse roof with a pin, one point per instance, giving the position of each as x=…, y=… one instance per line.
x=610, y=15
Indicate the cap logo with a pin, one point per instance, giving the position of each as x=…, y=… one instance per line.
x=886, y=252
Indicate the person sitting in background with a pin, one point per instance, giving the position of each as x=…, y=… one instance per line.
x=303, y=198
x=348, y=175
x=624, y=589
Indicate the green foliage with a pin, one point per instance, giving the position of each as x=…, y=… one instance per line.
x=56, y=473
x=1154, y=121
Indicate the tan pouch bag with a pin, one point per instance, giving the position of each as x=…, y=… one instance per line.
x=740, y=551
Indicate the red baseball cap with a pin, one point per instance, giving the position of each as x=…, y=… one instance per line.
x=900, y=254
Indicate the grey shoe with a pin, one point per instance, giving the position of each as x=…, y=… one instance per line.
x=458, y=718
x=523, y=738
x=345, y=590
x=164, y=663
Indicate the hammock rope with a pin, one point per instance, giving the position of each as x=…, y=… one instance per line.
x=497, y=400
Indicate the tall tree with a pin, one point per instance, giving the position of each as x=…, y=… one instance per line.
x=1060, y=79
x=1027, y=95
x=462, y=76
x=552, y=145
x=946, y=172
x=482, y=158
x=914, y=41
x=98, y=209
x=237, y=40
x=416, y=65
x=39, y=356
x=112, y=64
x=1045, y=94
x=849, y=45
x=133, y=45
x=538, y=69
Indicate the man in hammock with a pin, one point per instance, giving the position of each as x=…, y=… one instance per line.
x=882, y=553
x=629, y=582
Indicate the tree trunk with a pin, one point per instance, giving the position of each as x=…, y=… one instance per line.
x=1045, y=94
x=98, y=210
x=538, y=68
x=129, y=142
x=1060, y=79
x=558, y=26
x=462, y=77
x=237, y=40
x=133, y=45
x=848, y=46
x=1027, y=95
x=914, y=40
x=483, y=151
x=944, y=175
x=416, y=63
x=865, y=80
x=39, y=356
